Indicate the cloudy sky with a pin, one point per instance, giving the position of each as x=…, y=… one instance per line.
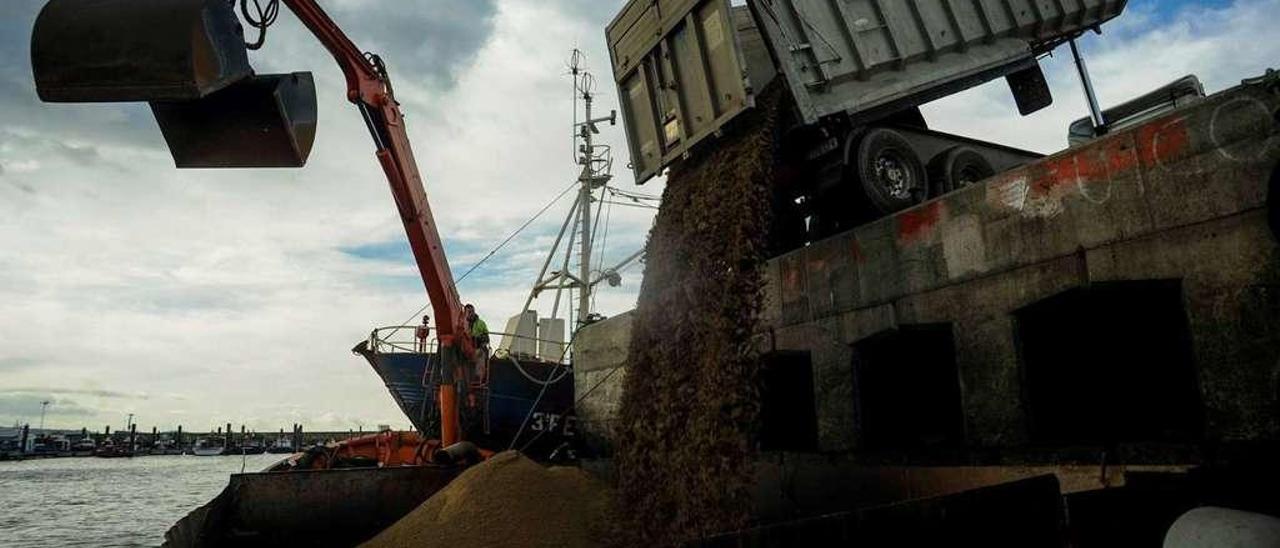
x=205, y=297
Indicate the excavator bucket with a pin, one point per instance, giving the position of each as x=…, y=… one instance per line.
x=265, y=121
x=136, y=50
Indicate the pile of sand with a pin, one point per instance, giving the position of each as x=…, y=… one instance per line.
x=690, y=398
x=508, y=500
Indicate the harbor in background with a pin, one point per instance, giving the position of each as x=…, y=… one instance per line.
x=24, y=442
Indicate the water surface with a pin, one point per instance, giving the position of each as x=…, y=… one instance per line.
x=88, y=501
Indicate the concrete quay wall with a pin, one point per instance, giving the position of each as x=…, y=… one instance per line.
x=1142, y=267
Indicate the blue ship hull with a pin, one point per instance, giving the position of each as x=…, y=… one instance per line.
x=492, y=416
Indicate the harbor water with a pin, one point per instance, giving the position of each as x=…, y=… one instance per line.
x=88, y=501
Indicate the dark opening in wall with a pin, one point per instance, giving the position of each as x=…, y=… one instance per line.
x=1110, y=363
x=908, y=388
x=788, y=419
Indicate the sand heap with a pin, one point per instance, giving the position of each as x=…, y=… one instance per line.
x=508, y=500
x=690, y=398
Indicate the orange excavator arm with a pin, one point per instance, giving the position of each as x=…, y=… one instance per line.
x=369, y=88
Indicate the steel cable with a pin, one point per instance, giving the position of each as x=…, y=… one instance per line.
x=266, y=17
x=498, y=247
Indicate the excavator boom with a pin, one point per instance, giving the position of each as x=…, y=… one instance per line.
x=369, y=88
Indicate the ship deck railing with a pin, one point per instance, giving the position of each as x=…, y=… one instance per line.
x=403, y=339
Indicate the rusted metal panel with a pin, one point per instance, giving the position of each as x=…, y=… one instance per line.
x=680, y=76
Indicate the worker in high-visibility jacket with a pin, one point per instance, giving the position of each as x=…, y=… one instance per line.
x=479, y=334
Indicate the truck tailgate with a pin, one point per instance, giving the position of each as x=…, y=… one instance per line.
x=680, y=76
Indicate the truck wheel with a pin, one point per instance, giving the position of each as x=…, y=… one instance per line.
x=889, y=171
x=957, y=168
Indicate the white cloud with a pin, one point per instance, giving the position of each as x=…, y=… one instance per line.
x=21, y=166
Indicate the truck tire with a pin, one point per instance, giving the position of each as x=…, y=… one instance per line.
x=957, y=168
x=889, y=171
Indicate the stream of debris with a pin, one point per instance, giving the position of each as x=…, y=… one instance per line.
x=690, y=399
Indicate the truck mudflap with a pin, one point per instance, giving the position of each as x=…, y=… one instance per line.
x=309, y=508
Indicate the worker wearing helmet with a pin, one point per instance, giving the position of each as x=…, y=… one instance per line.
x=479, y=334
x=423, y=332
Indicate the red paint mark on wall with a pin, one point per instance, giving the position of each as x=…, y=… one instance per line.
x=1038, y=189
x=790, y=276
x=818, y=266
x=1099, y=162
x=855, y=252
x=1163, y=141
x=1121, y=156
x=917, y=224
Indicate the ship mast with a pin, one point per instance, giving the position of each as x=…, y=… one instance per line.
x=596, y=162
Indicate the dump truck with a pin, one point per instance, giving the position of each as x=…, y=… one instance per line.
x=855, y=73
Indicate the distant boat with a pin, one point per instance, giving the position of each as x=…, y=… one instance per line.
x=207, y=448
x=51, y=445
x=109, y=450
x=252, y=447
x=281, y=446
x=165, y=447
x=84, y=448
